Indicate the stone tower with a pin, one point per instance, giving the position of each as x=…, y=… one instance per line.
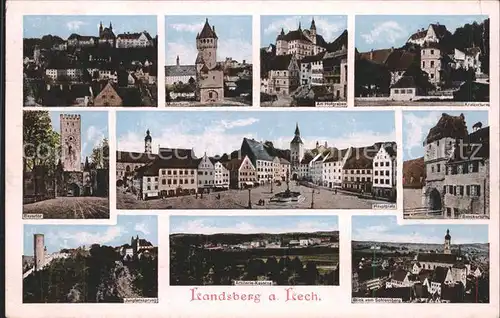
x=39, y=251
x=71, y=145
x=147, y=142
x=206, y=43
x=36, y=54
x=281, y=44
x=296, y=148
x=447, y=243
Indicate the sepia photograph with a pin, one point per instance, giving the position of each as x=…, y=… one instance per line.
x=65, y=165
x=446, y=165
x=90, y=60
x=422, y=60
x=303, y=61
x=209, y=60
x=91, y=263
x=421, y=263
x=254, y=251
x=256, y=160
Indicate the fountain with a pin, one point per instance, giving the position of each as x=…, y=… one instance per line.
x=287, y=196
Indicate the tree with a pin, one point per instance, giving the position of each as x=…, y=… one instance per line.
x=41, y=144
x=311, y=273
x=371, y=78
x=100, y=155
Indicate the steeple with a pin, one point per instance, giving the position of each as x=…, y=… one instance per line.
x=300, y=27
x=447, y=243
x=448, y=236
x=100, y=28
x=313, y=25
x=110, y=26
x=297, y=131
x=177, y=60
x=148, y=136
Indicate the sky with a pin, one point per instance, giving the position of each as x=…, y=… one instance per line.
x=251, y=224
x=416, y=126
x=94, y=128
x=386, y=31
x=218, y=132
x=234, y=34
x=386, y=229
x=36, y=26
x=62, y=236
x=329, y=26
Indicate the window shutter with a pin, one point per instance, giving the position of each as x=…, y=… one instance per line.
x=467, y=190
x=478, y=190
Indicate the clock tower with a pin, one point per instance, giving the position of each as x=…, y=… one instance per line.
x=71, y=145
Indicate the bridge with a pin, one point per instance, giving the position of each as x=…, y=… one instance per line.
x=421, y=212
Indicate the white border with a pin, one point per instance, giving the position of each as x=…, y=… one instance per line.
x=174, y=301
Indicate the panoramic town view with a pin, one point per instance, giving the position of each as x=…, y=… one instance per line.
x=418, y=263
x=446, y=165
x=209, y=60
x=91, y=263
x=422, y=60
x=230, y=160
x=303, y=61
x=90, y=60
x=65, y=165
x=262, y=250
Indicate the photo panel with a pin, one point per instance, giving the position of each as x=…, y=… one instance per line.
x=422, y=60
x=303, y=61
x=419, y=263
x=91, y=263
x=256, y=160
x=206, y=66
x=254, y=250
x=65, y=165
x=87, y=60
x=446, y=165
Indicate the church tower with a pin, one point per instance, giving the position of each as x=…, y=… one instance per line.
x=281, y=44
x=312, y=31
x=100, y=29
x=206, y=43
x=71, y=145
x=447, y=243
x=296, y=148
x=147, y=142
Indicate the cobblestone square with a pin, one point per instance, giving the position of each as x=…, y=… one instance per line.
x=70, y=208
x=238, y=199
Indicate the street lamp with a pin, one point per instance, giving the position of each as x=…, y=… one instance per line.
x=249, y=198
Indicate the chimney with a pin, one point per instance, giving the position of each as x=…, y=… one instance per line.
x=244, y=62
x=326, y=144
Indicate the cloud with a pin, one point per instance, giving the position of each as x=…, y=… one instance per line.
x=235, y=48
x=289, y=23
x=238, y=123
x=385, y=32
x=79, y=238
x=185, y=27
x=206, y=226
x=416, y=129
x=74, y=25
x=143, y=228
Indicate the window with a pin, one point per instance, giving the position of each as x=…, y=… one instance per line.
x=376, y=164
x=432, y=63
x=375, y=181
x=423, y=64
x=396, y=91
x=432, y=52
x=180, y=181
x=169, y=172
x=170, y=182
x=163, y=181
x=387, y=181
x=387, y=163
x=475, y=190
x=467, y=190
x=376, y=172
x=149, y=179
x=432, y=75
x=432, y=169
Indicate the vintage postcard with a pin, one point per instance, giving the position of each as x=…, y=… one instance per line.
x=234, y=160
x=208, y=66
x=422, y=60
x=254, y=251
x=91, y=264
x=65, y=165
x=446, y=168
x=421, y=263
x=90, y=60
x=303, y=61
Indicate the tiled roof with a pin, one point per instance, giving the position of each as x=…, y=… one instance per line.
x=400, y=60
x=359, y=159
x=399, y=275
x=180, y=70
x=296, y=35
x=476, y=145
x=336, y=154
x=181, y=160
x=280, y=62
x=313, y=58
x=418, y=35
x=337, y=44
x=440, y=30
x=439, y=274
x=308, y=157
x=134, y=36
x=134, y=157
x=255, y=150
x=415, y=169
x=448, y=126
x=207, y=31
x=437, y=258
x=233, y=164
x=377, y=56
